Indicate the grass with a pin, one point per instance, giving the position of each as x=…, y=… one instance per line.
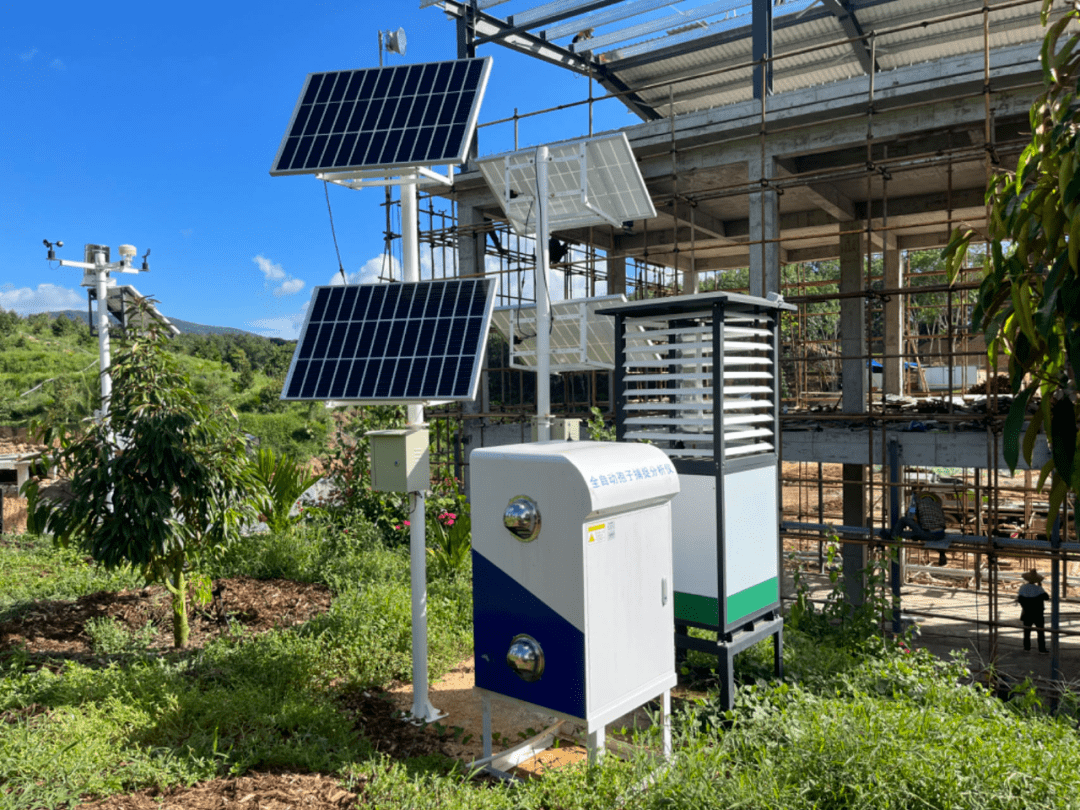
x=857, y=723
x=32, y=570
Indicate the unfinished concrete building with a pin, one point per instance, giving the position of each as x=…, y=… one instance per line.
x=811, y=148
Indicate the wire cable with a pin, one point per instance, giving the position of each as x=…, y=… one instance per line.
x=333, y=233
x=537, y=270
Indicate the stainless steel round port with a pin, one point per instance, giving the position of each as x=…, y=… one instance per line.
x=522, y=518
x=526, y=658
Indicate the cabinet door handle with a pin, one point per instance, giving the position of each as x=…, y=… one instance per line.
x=663, y=591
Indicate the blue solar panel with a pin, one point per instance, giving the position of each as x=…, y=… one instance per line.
x=400, y=116
x=414, y=342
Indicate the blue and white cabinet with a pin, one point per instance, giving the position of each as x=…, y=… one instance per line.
x=572, y=577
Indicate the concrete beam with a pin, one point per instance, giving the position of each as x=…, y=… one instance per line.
x=719, y=141
x=692, y=214
x=657, y=241
x=842, y=445
x=927, y=82
x=921, y=241
x=834, y=203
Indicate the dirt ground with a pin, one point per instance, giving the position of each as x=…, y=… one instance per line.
x=14, y=515
x=53, y=631
x=255, y=791
x=57, y=629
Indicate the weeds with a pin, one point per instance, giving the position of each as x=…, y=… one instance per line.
x=859, y=721
x=110, y=637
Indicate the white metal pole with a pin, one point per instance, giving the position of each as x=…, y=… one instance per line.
x=543, y=301
x=421, y=706
x=104, y=359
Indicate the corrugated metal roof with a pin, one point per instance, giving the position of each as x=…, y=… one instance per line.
x=811, y=45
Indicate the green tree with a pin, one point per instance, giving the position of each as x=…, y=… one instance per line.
x=9, y=322
x=161, y=484
x=283, y=480
x=239, y=362
x=1029, y=301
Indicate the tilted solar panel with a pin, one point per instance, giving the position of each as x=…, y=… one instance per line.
x=413, y=342
x=399, y=116
x=592, y=181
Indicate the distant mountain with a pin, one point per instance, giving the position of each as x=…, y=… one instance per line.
x=186, y=327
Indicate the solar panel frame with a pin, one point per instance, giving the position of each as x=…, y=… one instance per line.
x=517, y=325
x=614, y=190
x=384, y=118
x=411, y=343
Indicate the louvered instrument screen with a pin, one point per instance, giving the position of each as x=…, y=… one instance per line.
x=673, y=384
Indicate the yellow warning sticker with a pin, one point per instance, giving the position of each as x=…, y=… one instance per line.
x=597, y=532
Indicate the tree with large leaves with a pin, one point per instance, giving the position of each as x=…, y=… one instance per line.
x=1029, y=301
x=160, y=484
x=283, y=480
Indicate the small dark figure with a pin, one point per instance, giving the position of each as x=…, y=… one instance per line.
x=1033, y=599
x=557, y=250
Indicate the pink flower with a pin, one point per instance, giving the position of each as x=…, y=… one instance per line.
x=397, y=526
x=407, y=523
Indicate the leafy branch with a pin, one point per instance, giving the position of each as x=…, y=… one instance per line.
x=1028, y=304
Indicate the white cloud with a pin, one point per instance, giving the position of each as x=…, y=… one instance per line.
x=290, y=287
x=30, y=54
x=370, y=272
x=57, y=64
x=283, y=326
x=522, y=284
x=272, y=271
x=46, y=298
x=275, y=272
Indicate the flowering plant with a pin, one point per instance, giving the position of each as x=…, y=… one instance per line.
x=449, y=525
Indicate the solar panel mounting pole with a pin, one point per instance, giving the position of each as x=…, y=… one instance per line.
x=543, y=301
x=422, y=710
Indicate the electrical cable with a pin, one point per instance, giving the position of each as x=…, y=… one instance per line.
x=386, y=271
x=52, y=379
x=544, y=274
x=333, y=233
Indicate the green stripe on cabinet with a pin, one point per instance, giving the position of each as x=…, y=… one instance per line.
x=695, y=608
x=747, y=601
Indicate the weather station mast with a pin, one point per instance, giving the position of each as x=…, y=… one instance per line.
x=96, y=269
x=392, y=126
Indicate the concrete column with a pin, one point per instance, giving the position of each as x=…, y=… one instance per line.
x=470, y=248
x=616, y=275
x=691, y=283
x=764, y=225
x=470, y=243
x=894, y=376
x=894, y=325
x=855, y=381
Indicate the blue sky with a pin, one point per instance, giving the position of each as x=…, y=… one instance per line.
x=156, y=124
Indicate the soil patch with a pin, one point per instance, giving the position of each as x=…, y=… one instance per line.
x=57, y=629
x=460, y=732
x=254, y=791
